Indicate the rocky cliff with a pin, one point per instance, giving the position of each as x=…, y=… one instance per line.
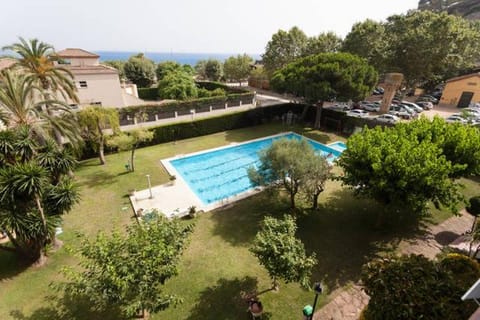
x=469, y=9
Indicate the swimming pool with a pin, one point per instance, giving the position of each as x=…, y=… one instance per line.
x=219, y=174
x=339, y=145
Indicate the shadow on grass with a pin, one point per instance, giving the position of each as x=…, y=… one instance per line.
x=67, y=307
x=11, y=265
x=343, y=235
x=100, y=178
x=224, y=301
x=341, y=232
x=315, y=135
x=239, y=223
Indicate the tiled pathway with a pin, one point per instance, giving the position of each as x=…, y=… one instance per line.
x=346, y=304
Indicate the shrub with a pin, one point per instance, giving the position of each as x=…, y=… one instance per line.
x=148, y=93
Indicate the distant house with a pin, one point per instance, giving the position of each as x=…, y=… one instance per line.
x=97, y=84
x=461, y=91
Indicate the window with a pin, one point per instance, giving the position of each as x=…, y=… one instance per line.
x=98, y=103
x=83, y=84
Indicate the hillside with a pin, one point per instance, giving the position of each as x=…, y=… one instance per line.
x=469, y=9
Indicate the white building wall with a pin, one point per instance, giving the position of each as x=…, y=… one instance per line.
x=101, y=88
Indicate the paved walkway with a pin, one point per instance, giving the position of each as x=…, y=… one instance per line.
x=346, y=304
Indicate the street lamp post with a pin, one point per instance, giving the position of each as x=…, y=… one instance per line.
x=149, y=186
x=317, y=287
x=309, y=311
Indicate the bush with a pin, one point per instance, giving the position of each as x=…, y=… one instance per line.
x=148, y=93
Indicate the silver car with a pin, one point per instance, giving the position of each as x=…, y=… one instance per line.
x=387, y=118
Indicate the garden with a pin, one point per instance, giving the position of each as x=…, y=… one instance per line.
x=217, y=265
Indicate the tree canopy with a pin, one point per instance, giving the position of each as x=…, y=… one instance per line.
x=119, y=65
x=281, y=253
x=237, y=68
x=425, y=46
x=35, y=191
x=210, y=69
x=165, y=67
x=130, y=142
x=140, y=70
x=323, y=43
x=129, y=271
x=283, y=48
x=411, y=164
x=177, y=85
x=414, y=287
x=281, y=167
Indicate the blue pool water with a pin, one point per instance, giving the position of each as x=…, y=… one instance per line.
x=219, y=174
x=340, y=146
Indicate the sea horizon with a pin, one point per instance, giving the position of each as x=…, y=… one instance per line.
x=190, y=58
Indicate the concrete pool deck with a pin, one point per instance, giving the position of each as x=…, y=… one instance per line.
x=175, y=199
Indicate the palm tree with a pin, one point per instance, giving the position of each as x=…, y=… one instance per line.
x=94, y=120
x=39, y=62
x=18, y=107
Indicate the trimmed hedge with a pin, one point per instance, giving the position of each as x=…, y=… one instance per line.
x=148, y=93
x=182, y=107
x=185, y=130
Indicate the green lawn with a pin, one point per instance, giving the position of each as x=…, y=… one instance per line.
x=217, y=264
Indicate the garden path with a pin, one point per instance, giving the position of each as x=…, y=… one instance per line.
x=346, y=304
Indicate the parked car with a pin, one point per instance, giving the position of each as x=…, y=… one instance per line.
x=429, y=98
x=357, y=113
x=456, y=118
x=413, y=106
x=378, y=91
x=426, y=105
x=340, y=107
x=472, y=112
x=402, y=111
x=387, y=118
x=371, y=107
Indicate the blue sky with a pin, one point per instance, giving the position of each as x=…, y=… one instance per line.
x=213, y=26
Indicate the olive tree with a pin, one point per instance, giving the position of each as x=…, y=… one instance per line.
x=129, y=271
x=281, y=253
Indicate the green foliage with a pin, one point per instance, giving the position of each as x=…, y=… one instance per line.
x=427, y=47
x=148, y=93
x=474, y=206
x=130, y=141
x=323, y=43
x=284, y=48
x=413, y=287
x=204, y=93
x=281, y=167
x=177, y=85
x=394, y=167
x=210, y=69
x=165, y=67
x=237, y=68
x=281, y=253
x=129, y=271
x=367, y=40
x=117, y=64
x=140, y=70
x=326, y=76
x=93, y=121
x=34, y=191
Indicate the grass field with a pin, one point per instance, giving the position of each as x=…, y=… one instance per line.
x=217, y=265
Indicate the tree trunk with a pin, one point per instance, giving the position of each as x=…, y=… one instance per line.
x=42, y=215
x=473, y=224
x=315, y=201
x=275, y=286
x=101, y=154
x=379, y=222
x=318, y=116
x=132, y=156
x=145, y=314
x=304, y=112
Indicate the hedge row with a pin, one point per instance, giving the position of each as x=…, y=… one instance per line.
x=148, y=93
x=207, y=126
x=152, y=93
x=184, y=107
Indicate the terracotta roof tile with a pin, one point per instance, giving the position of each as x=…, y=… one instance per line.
x=91, y=69
x=76, y=53
x=6, y=63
